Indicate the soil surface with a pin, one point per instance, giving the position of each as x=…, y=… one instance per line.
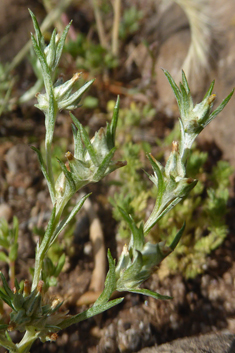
x=203, y=305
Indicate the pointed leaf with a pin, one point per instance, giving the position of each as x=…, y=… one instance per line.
x=51, y=50
x=38, y=33
x=137, y=233
x=174, y=87
x=111, y=129
x=220, y=108
x=94, y=310
x=185, y=103
x=59, y=265
x=185, y=82
x=6, y=299
x=17, y=286
x=78, y=146
x=99, y=174
x=131, y=272
x=158, y=172
x=45, y=174
x=209, y=92
x=177, y=238
x=150, y=293
x=6, y=287
x=68, y=176
x=52, y=328
x=110, y=283
x=50, y=117
x=88, y=145
x=73, y=213
x=73, y=99
x=45, y=68
x=3, y=257
x=8, y=344
x=15, y=228
x=13, y=252
x=156, y=216
x=4, y=243
x=60, y=45
x=44, y=246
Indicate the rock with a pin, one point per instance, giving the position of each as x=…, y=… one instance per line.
x=5, y=211
x=209, y=343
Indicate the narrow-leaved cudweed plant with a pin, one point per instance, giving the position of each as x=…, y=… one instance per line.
x=90, y=161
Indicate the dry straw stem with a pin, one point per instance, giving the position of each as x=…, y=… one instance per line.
x=99, y=23
x=116, y=21
x=203, y=28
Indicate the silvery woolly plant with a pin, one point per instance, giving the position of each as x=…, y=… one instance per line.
x=31, y=311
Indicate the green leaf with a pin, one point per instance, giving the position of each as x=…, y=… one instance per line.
x=149, y=293
x=177, y=238
x=3, y=257
x=110, y=283
x=88, y=145
x=209, y=92
x=185, y=82
x=111, y=129
x=6, y=287
x=220, y=108
x=45, y=174
x=47, y=236
x=137, y=233
x=131, y=273
x=15, y=228
x=65, y=221
x=77, y=139
x=51, y=50
x=74, y=98
x=60, y=265
x=38, y=33
x=13, y=252
x=60, y=45
x=50, y=117
x=68, y=176
x=160, y=179
x=6, y=343
x=103, y=166
x=48, y=267
x=174, y=87
x=94, y=310
x=185, y=104
x=156, y=216
x=18, y=301
x=52, y=328
x=6, y=299
x=3, y=327
x=4, y=243
x=45, y=68
x=17, y=286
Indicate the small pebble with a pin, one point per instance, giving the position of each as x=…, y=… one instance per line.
x=5, y=211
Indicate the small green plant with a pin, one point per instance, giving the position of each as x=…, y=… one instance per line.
x=90, y=56
x=130, y=22
x=6, y=87
x=204, y=210
x=9, y=245
x=33, y=312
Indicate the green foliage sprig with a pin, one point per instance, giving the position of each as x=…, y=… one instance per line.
x=92, y=159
